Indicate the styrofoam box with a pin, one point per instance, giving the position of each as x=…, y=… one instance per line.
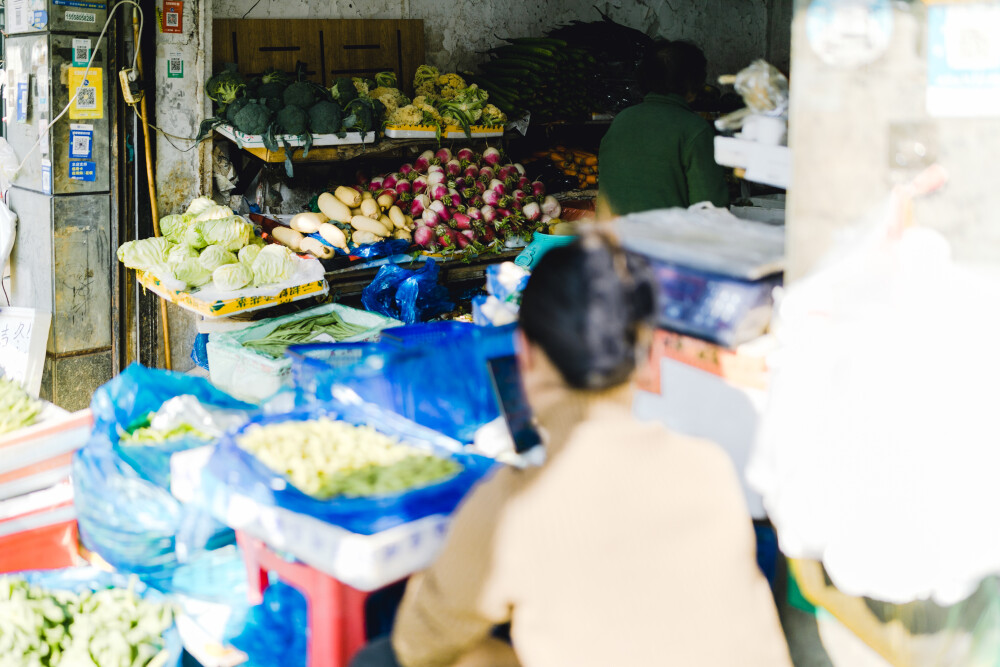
x=450, y=132
x=252, y=376
x=257, y=140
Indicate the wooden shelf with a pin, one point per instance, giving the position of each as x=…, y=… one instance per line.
x=403, y=148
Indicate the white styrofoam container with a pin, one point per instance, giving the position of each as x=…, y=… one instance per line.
x=251, y=376
x=257, y=140
x=450, y=132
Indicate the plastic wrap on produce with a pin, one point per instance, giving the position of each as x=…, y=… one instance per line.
x=412, y=372
x=238, y=473
x=125, y=511
x=408, y=296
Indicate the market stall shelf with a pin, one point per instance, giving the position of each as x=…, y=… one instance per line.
x=449, y=132
x=318, y=140
x=210, y=304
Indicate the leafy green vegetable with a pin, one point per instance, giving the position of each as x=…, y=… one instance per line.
x=248, y=254
x=225, y=86
x=386, y=79
x=231, y=277
x=17, y=409
x=232, y=232
x=273, y=89
x=360, y=115
x=147, y=435
x=343, y=90
x=253, y=118
x=193, y=237
x=214, y=212
x=199, y=205
x=107, y=628
x=325, y=117
x=326, y=458
x=192, y=272
x=273, y=265
x=144, y=254
x=181, y=252
x=172, y=227
x=215, y=256
x=275, y=343
x=233, y=109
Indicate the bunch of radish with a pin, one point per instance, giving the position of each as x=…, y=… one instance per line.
x=465, y=200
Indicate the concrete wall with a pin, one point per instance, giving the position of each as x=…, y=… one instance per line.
x=731, y=31
x=183, y=172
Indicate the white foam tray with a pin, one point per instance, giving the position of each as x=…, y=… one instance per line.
x=257, y=140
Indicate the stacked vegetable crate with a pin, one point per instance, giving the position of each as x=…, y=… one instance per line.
x=544, y=76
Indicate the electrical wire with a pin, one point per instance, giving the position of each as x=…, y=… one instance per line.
x=86, y=72
x=252, y=7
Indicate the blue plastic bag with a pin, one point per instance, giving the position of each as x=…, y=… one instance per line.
x=413, y=371
x=408, y=296
x=80, y=579
x=125, y=511
x=199, y=351
x=387, y=248
x=239, y=472
x=275, y=632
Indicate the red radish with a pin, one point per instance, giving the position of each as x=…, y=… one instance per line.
x=468, y=194
x=404, y=198
x=519, y=167
x=491, y=156
x=546, y=219
x=488, y=235
x=532, y=212
x=430, y=217
x=550, y=206
x=404, y=186
x=423, y=161
x=443, y=155
x=389, y=181
x=452, y=167
x=479, y=186
x=420, y=204
x=506, y=201
x=519, y=196
x=491, y=197
x=505, y=213
x=474, y=213
x=462, y=221
x=456, y=199
x=444, y=237
x=436, y=177
x=406, y=169
x=471, y=172
x=442, y=211
x=437, y=192
x=463, y=241
x=376, y=182
x=423, y=235
x=503, y=173
x=460, y=184
x=435, y=167
x=419, y=184
x=538, y=188
x=498, y=187
x=487, y=174
x=477, y=201
x=360, y=177
x=489, y=213
x=372, y=188
x=388, y=191
x=511, y=183
x=466, y=154
x=523, y=183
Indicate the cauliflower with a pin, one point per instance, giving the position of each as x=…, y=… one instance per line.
x=425, y=74
x=492, y=116
x=392, y=98
x=429, y=112
x=408, y=115
x=360, y=85
x=451, y=80
x=428, y=90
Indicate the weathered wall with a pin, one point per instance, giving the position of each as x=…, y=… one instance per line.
x=731, y=31
x=182, y=172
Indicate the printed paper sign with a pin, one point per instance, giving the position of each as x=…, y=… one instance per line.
x=46, y=177
x=43, y=135
x=81, y=141
x=173, y=16
x=89, y=102
x=82, y=170
x=963, y=68
x=23, y=94
x=175, y=66
x=81, y=17
x=81, y=52
x=23, y=335
x=85, y=4
x=42, y=90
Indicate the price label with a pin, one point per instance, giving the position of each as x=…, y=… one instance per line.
x=23, y=335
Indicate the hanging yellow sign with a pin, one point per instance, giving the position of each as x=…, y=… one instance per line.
x=89, y=103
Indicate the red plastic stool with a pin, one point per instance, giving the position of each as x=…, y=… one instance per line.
x=336, y=611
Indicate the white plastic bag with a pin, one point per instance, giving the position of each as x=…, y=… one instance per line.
x=878, y=452
x=8, y=230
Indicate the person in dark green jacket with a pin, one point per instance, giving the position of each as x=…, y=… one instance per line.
x=659, y=153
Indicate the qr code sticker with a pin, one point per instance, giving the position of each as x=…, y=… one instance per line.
x=175, y=66
x=81, y=145
x=86, y=98
x=17, y=17
x=81, y=53
x=173, y=19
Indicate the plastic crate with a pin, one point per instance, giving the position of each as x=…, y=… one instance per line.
x=44, y=548
x=250, y=375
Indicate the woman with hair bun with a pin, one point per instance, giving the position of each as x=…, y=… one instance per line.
x=630, y=546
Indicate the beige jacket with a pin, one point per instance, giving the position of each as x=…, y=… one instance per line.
x=630, y=546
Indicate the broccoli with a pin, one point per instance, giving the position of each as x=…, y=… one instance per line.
x=274, y=89
x=386, y=80
x=275, y=104
x=225, y=86
x=253, y=118
x=234, y=109
x=293, y=120
x=343, y=91
x=361, y=115
x=300, y=94
x=325, y=118
x=274, y=76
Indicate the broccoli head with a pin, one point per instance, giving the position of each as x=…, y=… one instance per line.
x=343, y=91
x=274, y=76
x=253, y=118
x=225, y=86
x=386, y=80
x=271, y=89
x=361, y=116
x=293, y=120
x=300, y=94
x=325, y=118
x=234, y=109
x=275, y=104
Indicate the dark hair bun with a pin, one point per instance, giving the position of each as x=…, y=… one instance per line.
x=584, y=305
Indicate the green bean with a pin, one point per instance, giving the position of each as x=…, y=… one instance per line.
x=17, y=408
x=303, y=331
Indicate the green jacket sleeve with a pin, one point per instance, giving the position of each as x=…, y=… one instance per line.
x=706, y=180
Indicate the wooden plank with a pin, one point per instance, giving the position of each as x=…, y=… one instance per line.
x=361, y=48
x=259, y=45
x=412, y=54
